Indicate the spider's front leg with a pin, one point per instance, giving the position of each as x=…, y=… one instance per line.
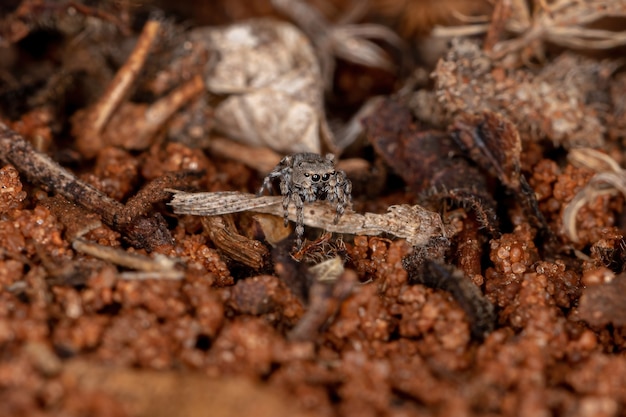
x=282, y=171
x=267, y=185
x=299, y=203
x=343, y=196
x=278, y=172
x=286, y=192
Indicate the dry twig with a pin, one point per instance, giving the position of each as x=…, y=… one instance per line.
x=141, y=230
x=161, y=266
x=413, y=223
x=223, y=233
x=113, y=121
x=261, y=159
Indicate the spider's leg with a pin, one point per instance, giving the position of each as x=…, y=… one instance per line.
x=267, y=185
x=286, y=210
x=284, y=190
x=297, y=200
x=282, y=171
x=267, y=182
x=347, y=192
x=331, y=193
x=343, y=193
x=340, y=209
x=310, y=194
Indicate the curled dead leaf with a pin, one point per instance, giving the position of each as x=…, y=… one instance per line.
x=272, y=80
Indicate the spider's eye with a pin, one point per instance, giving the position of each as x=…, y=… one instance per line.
x=315, y=177
x=307, y=175
x=325, y=177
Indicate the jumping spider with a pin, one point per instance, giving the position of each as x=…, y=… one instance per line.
x=308, y=177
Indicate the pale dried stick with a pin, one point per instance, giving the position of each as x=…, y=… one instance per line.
x=160, y=111
x=91, y=122
x=125, y=77
x=219, y=203
x=413, y=223
x=159, y=266
x=261, y=159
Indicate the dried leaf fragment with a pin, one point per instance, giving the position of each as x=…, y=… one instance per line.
x=493, y=142
x=429, y=161
x=272, y=80
x=421, y=157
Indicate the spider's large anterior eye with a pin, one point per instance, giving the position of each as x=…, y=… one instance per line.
x=325, y=177
x=315, y=177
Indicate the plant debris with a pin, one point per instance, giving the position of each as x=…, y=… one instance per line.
x=551, y=104
x=267, y=65
x=609, y=180
x=223, y=233
x=413, y=223
x=142, y=230
x=477, y=268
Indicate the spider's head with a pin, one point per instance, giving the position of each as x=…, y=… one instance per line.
x=312, y=170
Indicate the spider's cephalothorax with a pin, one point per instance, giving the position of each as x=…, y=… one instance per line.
x=308, y=177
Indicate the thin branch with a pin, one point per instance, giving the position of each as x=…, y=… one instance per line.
x=159, y=266
x=413, y=223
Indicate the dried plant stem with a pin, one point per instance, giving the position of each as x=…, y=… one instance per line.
x=160, y=266
x=566, y=23
x=90, y=124
x=159, y=112
x=343, y=40
x=139, y=229
x=455, y=31
x=501, y=14
x=42, y=170
x=261, y=159
x=119, y=88
x=413, y=223
x=594, y=160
